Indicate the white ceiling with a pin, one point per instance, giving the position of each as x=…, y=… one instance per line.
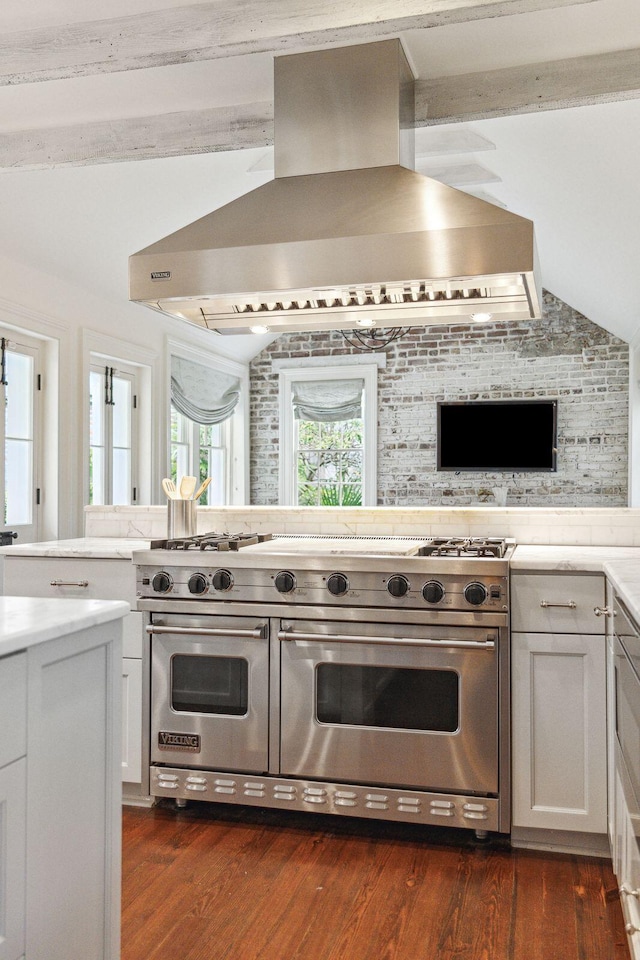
x=573, y=171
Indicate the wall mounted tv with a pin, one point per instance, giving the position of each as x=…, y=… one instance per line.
x=502, y=435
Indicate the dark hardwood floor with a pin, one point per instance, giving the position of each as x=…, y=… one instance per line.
x=222, y=883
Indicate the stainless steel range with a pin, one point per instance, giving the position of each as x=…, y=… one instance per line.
x=362, y=676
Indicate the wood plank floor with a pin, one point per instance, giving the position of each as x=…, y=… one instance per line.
x=226, y=883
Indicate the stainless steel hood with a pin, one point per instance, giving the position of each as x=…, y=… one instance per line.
x=347, y=233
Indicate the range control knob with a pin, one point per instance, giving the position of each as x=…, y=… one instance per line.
x=398, y=586
x=162, y=582
x=198, y=583
x=475, y=593
x=285, y=581
x=433, y=591
x=337, y=584
x=222, y=580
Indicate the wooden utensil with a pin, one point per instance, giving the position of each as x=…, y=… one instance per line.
x=169, y=488
x=187, y=486
x=201, y=489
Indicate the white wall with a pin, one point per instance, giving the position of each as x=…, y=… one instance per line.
x=72, y=320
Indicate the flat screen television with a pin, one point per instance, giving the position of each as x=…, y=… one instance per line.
x=502, y=435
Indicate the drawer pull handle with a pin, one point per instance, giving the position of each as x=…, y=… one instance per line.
x=631, y=928
x=69, y=583
x=569, y=603
x=624, y=891
x=603, y=612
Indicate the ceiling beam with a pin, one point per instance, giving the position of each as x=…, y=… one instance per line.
x=227, y=28
x=543, y=86
x=600, y=78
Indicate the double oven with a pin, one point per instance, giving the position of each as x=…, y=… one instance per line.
x=349, y=682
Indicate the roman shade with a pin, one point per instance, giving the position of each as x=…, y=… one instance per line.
x=201, y=393
x=327, y=400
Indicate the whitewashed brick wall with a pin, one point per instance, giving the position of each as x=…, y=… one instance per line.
x=562, y=356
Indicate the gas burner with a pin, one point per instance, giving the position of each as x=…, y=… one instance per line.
x=214, y=541
x=465, y=547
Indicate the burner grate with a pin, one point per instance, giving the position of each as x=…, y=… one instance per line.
x=464, y=547
x=215, y=541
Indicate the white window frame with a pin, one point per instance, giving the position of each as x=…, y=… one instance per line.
x=287, y=465
x=22, y=343
x=237, y=458
x=193, y=455
x=121, y=371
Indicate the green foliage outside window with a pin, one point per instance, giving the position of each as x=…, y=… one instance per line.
x=329, y=463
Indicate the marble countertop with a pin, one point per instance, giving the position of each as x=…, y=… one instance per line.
x=580, y=559
x=625, y=576
x=27, y=621
x=110, y=548
x=526, y=557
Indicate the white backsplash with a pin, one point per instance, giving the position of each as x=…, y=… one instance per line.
x=615, y=526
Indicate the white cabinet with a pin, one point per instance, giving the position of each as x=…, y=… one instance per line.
x=13, y=781
x=559, y=773
x=131, y=720
x=13, y=795
x=93, y=578
x=74, y=797
x=60, y=810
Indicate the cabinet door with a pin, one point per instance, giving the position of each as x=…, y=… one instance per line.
x=131, y=720
x=74, y=810
x=13, y=800
x=559, y=732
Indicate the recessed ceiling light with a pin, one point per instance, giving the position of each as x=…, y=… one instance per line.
x=259, y=328
x=366, y=322
x=481, y=317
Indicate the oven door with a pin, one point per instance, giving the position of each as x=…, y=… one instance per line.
x=391, y=704
x=209, y=692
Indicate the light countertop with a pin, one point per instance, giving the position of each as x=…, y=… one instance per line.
x=27, y=621
x=110, y=548
x=580, y=559
x=625, y=576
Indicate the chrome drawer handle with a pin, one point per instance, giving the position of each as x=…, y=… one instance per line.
x=257, y=634
x=571, y=604
x=488, y=644
x=69, y=583
x=624, y=891
x=603, y=612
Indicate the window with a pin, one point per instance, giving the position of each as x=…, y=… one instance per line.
x=208, y=428
x=201, y=450
x=328, y=436
x=19, y=465
x=113, y=404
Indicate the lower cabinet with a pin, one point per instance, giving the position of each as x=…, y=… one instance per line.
x=131, y=720
x=60, y=798
x=102, y=579
x=559, y=732
x=13, y=838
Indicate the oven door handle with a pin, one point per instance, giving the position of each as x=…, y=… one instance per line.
x=257, y=634
x=488, y=644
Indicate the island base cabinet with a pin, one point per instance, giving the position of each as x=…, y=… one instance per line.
x=73, y=801
x=13, y=780
x=559, y=732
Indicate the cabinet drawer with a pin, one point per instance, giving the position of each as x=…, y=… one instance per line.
x=13, y=708
x=557, y=603
x=37, y=576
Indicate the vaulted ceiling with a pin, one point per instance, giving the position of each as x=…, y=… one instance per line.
x=116, y=130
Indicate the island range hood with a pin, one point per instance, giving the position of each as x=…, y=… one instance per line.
x=347, y=233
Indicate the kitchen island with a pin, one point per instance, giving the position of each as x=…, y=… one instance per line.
x=60, y=778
